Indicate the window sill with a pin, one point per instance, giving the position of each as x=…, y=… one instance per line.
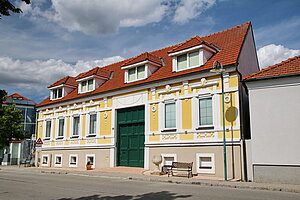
x=205, y=127
x=92, y=135
x=169, y=130
x=74, y=136
x=46, y=139
x=60, y=138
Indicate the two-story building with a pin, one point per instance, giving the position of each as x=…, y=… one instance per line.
x=165, y=102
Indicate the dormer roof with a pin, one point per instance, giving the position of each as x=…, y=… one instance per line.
x=97, y=71
x=67, y=80
x=143, y=57
x=192, y=42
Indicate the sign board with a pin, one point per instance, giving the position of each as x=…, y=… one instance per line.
x=39, y=141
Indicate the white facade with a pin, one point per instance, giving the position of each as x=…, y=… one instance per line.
x=275, y=135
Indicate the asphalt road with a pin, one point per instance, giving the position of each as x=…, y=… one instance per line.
x=22, y=184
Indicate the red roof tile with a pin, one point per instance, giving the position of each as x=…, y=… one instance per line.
x=142, y=57
x=287, y=67
x=229, y=41
x=67, y=80
x=98, y=71
x=194, y=41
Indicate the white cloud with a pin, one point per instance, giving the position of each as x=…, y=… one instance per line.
x=272, y=54
x=96, y=17
x=190, y=9
x=36, y=75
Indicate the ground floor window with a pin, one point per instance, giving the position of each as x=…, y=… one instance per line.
x=73, y=160
x=90, y=160
x=168, y=159
x=58, y=161
x=205, y=163
x=45, y=160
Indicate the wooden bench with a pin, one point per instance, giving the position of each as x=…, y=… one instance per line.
x=181, y=166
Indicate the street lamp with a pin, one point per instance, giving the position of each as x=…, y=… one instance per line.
x=218, y=69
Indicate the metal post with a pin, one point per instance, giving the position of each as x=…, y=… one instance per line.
x=224, y=131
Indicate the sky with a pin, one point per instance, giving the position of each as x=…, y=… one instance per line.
x=55, y=38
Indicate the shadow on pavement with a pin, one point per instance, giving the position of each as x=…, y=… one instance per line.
x=165, y=195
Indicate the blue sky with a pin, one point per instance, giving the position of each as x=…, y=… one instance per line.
x=55, y=38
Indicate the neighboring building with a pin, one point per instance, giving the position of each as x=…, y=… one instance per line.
x=274, y=95
x=18, y=150
x=165, y=102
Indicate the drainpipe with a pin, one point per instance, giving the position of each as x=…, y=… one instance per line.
x=244, y=151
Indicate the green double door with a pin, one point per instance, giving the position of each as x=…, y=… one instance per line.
x=131, y=136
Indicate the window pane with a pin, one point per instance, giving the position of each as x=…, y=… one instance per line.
x=90, y=84
x=194, y=59
x=83, y=86
x=58, y=160
x=54, y=94
x=30, y=115
x=141, y=72
x=131, y=74
x=93, y=119
x=182, y=62
x=23, y=111
x=73, y=160
x=205, y=112
x=90, y=160
x=76, y=126
x=61, y=127
x=170, y=115
x=48, y=128
x=59, y=95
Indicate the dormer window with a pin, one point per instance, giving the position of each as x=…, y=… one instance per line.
x=136, y=73
x=86, y=86
x=141, y=67
x=57, y=93
x=189, y=60
x=193, y=53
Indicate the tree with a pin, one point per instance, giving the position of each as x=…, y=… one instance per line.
x=10, y=120
x=6, y=6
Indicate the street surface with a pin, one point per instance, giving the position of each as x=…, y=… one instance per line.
x=24, y=184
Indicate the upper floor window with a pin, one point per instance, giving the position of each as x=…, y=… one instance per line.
x=188, y=60
x=48, y=129
x=87, y=86
x=136, y=73
x=205, y=112
x=57, y=93
x=92, y=124
x=170, y=115
x=61, y=127
x=76, y=122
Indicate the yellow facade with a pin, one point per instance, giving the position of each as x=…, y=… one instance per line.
x=105, y=123
x=154, y=117
x=187, y=114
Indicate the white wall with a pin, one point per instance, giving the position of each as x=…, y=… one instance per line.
x=275, y=120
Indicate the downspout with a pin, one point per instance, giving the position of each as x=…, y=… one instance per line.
x=242, y=123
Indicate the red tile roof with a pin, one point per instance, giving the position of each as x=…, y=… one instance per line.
x=285, y=68
x=142, y=57
x=17, y=95
x=98, y=71
x=229, y=41
x=67, y=80
x=194, y=41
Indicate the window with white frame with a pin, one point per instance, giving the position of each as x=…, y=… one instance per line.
x=45, y=160
x=57, y=93
x=76, y=126
x=205, y=112
x=90, y=160
x=73, y=160
x=58, y=160
x=92, y=124
x=205, y=163
x=48, y=129
x=188, y=60
x=61, y=128
x=168, y=159
x=170, y=115
x=87, y=86
x=136, y=73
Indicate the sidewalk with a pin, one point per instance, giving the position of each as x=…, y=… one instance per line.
x=140, y=174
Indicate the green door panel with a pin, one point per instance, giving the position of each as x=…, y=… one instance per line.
x=131, y=136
